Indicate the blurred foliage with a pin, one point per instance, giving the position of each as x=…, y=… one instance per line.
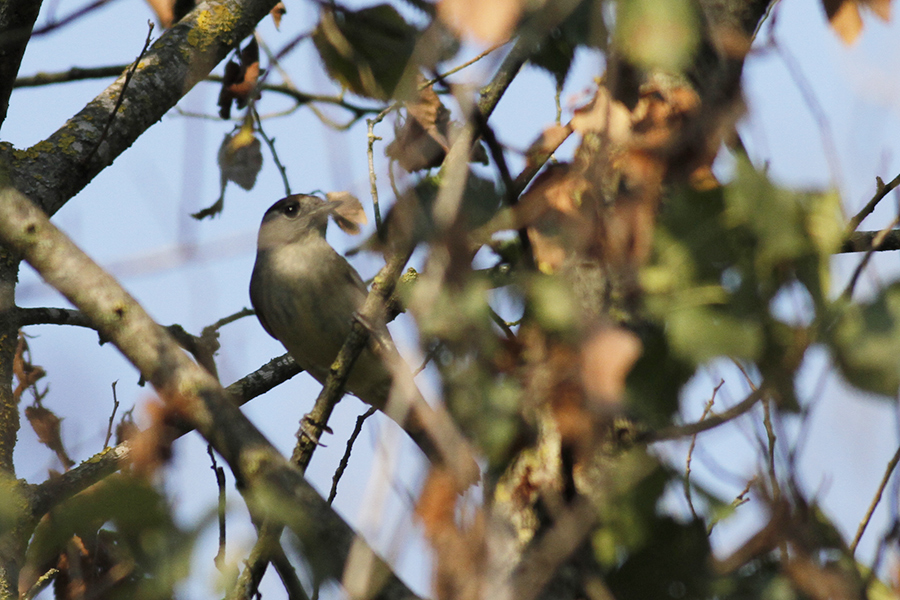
x=584, y=27
x=126, y=544
x=724, y=262
x=658, y=35
x=367, y=51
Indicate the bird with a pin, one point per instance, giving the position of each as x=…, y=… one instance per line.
x=306, y=295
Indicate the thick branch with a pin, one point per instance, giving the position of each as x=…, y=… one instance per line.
x=57, y=168
x=273, y=488
x=47, y=495
x=861, y=241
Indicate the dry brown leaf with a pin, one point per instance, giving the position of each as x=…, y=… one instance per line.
x=348, y=212
x=491, y=22
x=881, y=8
x=844, y=18
x=46, y=425
x=552, y=210
x=151, y=448
x=437, y=503
x=240, y=158
x=421, y=142
x=277, y=12
x=628, y=235
x=164, y=11
x=606, y=359
x=459, y=551
x=605, y=116
x=239, y=81
x=658, y=117
x=703, y=179
x=26, y=373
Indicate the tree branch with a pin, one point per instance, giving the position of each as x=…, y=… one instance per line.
x=57, y=168
x=863, y=241
x=273, y=488
x=883, y=190
x=705, y=424
x=50, y=493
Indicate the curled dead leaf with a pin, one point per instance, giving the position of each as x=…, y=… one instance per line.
x=240, y=158
x=348, y=212
x=546, y=144
x=239, y=81
x=606, y=359
x=881, y=8
x=277, y=12
x=845, y=19
x=151, y=448
x=421, y=140
x=46, y=426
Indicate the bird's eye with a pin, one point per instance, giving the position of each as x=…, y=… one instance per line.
x=291, y=210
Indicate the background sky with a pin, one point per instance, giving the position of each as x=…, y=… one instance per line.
x=820, y=114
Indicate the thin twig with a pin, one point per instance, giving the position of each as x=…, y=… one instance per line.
x=219, y=560
x=862, y=241
x=502, y=324
x=892, y=464
x=770, y=454
x=42, y=582
x=345, y=460
x=687, y=470
x=815, y=109
x=877, y=241
x=84, y=10
x=244, y=312
x=882, y=190
x=678, y=431
x=457, y=69
x=121, y=97
x=429, y=356
x=109, y=428
x=270, y=142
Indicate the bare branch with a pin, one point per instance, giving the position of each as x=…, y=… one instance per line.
x=345, y=460
x=888, y=471
x=64, y=163
x=272, y=487
x=880, y=193
x=53, y=491
x=678, y=431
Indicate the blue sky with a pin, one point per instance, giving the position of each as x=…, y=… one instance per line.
x=133, y=219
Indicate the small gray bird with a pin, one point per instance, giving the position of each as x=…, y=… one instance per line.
x=305, y=295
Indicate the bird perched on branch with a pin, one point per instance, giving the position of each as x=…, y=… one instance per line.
x=306, y=295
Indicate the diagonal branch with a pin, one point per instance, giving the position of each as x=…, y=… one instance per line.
x=272, y=487
x=55, y=169
x=50, y=493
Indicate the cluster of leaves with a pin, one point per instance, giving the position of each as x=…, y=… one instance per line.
x=622, y=279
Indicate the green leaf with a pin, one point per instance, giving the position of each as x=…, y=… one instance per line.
x=367, y=51
x=865, y=342
x=702, y=333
